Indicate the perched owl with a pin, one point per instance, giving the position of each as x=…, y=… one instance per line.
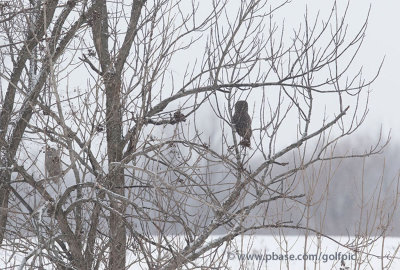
x=242, y=122
x=53, y=163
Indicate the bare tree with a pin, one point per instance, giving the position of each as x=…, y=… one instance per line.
x=32, y=40
x=139, y=95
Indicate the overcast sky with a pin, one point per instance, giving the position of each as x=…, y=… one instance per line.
x=382, y=40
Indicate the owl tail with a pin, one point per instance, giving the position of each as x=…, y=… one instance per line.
x=245, y=143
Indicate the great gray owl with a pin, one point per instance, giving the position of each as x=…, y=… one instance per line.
x=242, y=122
x=53, y=164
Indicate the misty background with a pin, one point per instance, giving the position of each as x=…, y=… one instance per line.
x=356, y=180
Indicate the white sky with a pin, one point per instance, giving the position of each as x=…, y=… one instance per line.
x=382, y=40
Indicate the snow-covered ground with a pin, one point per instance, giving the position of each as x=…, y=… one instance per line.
x=299, y=252
x=273, y=252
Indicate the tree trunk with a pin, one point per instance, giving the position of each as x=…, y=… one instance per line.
x=4, y=194
x=115, y=180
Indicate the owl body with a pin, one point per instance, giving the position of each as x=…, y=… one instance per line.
x=242, y=122
x=53, y=164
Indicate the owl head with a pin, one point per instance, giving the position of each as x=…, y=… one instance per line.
x=51, y=152
x=241, y=106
